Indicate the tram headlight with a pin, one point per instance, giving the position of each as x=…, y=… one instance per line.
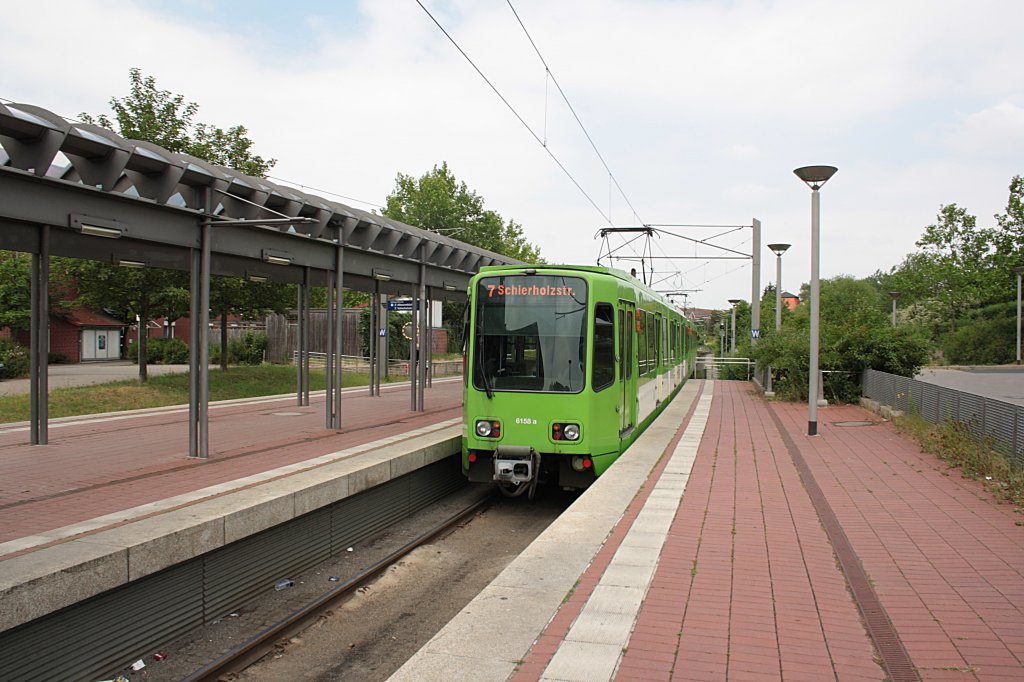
x=485, y=428
x=562, y=431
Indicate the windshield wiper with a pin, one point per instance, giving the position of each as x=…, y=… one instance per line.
x=480, y=366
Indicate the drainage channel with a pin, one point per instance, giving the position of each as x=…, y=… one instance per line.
x=893, y=654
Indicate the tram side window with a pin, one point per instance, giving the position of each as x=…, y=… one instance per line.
x=623, y=325
x=671, y=343
x=641, y=343
x=662, y=329
x=652, y=344
x=603, y=368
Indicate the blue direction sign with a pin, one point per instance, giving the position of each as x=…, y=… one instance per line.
x=400, y=305
x=755, y=333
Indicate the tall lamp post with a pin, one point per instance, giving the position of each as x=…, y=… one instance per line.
x=1020, y=272
x=778, y=250
x=895, y=295
x=733, y=301
x=815, y=177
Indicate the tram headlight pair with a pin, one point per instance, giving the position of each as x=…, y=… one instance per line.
x=487, y=428
x=562, y=431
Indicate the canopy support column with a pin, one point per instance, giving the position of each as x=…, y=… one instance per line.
x=39, y=349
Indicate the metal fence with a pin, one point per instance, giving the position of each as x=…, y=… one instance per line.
x=708, y=367
x=1003, y=422
x=361, y=363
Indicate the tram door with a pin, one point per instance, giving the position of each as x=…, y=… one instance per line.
x=627, y=382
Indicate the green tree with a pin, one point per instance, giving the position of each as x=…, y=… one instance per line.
x=131, y=294
x=438, y=202
x=248, y=300
x=15, y=275
x=987, y=336
x=955, y=263
x=165, y=119
x=855, y=334
x=1010, y=235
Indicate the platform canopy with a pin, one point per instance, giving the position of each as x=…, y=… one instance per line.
x=79, y=190
x=113, y=199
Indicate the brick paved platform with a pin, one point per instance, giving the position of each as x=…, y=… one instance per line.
x=739, y=580
x=94, y=466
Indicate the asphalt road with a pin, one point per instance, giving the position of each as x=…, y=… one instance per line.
x=1005, y=382
x=83, y=374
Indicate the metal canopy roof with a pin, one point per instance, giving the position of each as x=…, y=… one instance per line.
x=154, y=202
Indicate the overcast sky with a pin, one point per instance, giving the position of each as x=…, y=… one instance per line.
x=700, y=109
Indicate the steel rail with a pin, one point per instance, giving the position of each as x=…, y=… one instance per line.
x=249, y=652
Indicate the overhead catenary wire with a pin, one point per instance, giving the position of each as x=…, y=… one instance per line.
x=324, y=191
x=565, y=98
x=515, y=113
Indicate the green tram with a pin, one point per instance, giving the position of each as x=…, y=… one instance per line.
x=565, y=366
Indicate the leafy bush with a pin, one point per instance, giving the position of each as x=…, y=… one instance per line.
x=248, y=350
x=398, y=345
x=985, y=340
x=172, y=351
x=161, y=352
x=14, y=358
x=855, y=335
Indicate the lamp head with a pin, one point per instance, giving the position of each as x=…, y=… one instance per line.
x=734, y=301
x=779, y=249
x=1019, y=269
x=815, y=176
x=894, y=294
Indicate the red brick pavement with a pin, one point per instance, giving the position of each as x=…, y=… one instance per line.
x=100, y=466
x=748, y=587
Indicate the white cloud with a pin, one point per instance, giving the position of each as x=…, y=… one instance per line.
x=997, y=131
x=701, y=109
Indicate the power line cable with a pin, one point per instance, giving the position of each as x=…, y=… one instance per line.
x=323, y=191
x=514, y=112
x=565, y=98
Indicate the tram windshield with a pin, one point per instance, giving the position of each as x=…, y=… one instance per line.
x=530, y=334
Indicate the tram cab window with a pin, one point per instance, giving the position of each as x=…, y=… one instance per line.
x=531, y=333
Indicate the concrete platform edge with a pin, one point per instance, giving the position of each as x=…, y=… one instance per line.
x=491, y=636
x=36, y=583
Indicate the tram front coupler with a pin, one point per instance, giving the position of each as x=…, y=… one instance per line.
x=515, y=464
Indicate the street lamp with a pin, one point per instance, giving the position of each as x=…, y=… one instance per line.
x=1020, y=271
x=734, y=301
x=895, y=295
x=815, y=177
x=778, y=250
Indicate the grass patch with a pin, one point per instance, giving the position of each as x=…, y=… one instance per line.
x=242, y=381
x=976, y=457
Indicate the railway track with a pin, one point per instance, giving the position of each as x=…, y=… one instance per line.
x=264, y=642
